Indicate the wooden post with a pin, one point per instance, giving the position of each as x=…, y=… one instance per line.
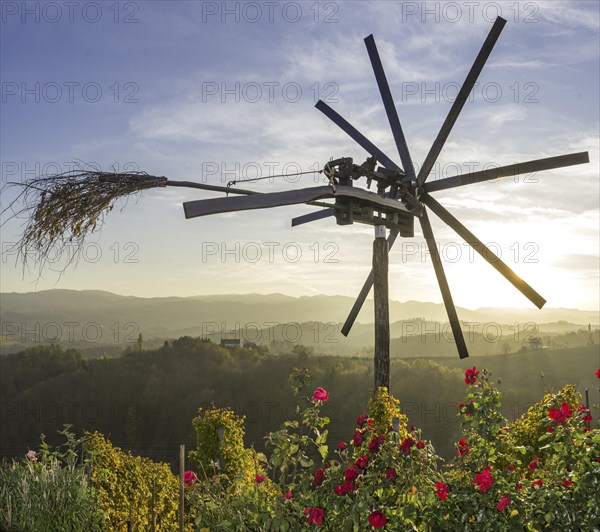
x=382, y=314
x=587, y=398
x=221, y=435
x=153, y=504
x=181, y=486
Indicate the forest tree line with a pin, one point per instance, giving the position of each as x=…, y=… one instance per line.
x=144, y=400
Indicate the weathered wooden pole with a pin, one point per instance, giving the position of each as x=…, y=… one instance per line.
x=382, y=313
x=181, y=487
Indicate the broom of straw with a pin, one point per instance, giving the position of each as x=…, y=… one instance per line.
x=61, y=210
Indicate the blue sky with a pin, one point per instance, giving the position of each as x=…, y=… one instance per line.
x=209, y=91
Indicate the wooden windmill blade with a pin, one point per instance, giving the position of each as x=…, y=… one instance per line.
x=207, y=207
x=312, y=216
x=484, y=251
x=356, y=135
x=528, y=167
x=364, y=292
x=460, y=100
x=390, y=108
x=459, y=338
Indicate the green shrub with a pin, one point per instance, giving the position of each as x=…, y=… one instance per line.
x=220, y=445
x=47, y=491
x=124, y=485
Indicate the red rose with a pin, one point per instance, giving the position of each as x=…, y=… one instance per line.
x=420, y=444
x=484, y=480
x=362, y=462
x=189, y=477
x=377, y=519
x=315, y=515
x=358, y=438
x=537, y=483
x=462, y=447
x=471, y=375
x=441, y=490
x=598, y=373
x=318, y=477
x=376, y=443
x=534, y=464
x=466, y=408
x=345, y=487
x=406, y=444
x=566, y=483
x=361, y=420
x=351, y=473
x=560, y=415
x=391, y=474
x=510, y=468
x=519, y=486
x=586, y=415
x=504, y=502
x=288, y=496
x=342, y=446
x=320, y=395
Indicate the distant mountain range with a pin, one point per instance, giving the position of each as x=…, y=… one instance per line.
x=62, y=314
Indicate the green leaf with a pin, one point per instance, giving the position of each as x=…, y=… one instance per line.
x=262, y=458
x=323, y=451
x=521, y=449
x=306, y=462
x=322, y=438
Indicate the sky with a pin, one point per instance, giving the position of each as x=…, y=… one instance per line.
x=216, y=91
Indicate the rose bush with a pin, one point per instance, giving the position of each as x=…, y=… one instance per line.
x=540, y=470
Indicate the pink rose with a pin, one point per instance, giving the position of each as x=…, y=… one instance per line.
x=320, y=395
x=189, y=477
x=31, y=455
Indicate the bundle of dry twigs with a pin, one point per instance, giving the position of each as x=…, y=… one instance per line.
x=62, y=210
